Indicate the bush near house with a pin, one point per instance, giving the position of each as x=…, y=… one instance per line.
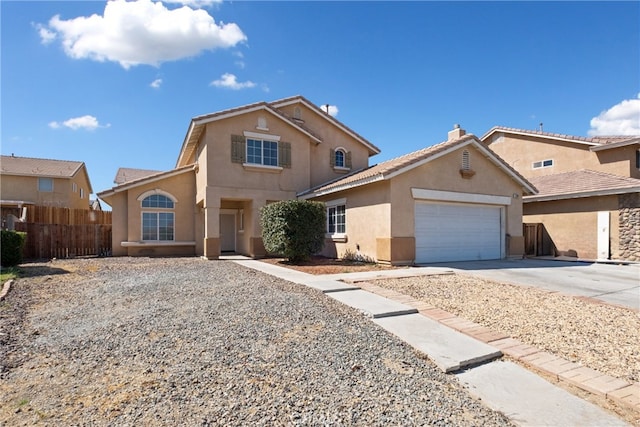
x=12, y=244
x=293, y=228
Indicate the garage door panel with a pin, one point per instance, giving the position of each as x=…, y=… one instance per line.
x=457, y=232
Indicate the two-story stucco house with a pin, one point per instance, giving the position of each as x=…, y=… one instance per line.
x=233, y=162
x=26, y=181
x=588, y=189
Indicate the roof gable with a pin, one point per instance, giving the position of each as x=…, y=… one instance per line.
x=49, y=168
x=127, y=174
x=145, y=179
x=299, y=99
x=390, y=168
x=594, y=143
x=198, y=123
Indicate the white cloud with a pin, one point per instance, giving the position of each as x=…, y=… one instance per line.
x=332, y=110
x=85, y=122
x=156, y=83
x=141, y=32
x=46, y=35
x=621, y=119
x=195, y=3
x=229, y=81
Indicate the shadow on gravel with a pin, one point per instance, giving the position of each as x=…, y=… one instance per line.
x=27, y=270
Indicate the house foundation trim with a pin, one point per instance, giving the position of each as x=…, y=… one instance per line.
x=152, y=243
x=451, y=196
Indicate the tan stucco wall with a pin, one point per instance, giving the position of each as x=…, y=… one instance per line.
x=222, y=184
x=25, y=188
x=521, y=151
x=380, y=216
x=127, y=217
x=332, y=138
x=572, y=224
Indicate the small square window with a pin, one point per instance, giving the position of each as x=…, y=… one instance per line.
x=45, y=185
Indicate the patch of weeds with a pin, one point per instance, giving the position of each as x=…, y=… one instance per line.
x=7, y=273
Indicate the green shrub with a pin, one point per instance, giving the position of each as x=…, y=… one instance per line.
x=12, y=244
x=293, y=228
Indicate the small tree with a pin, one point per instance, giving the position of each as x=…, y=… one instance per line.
x=293, y=228
x=12, y=244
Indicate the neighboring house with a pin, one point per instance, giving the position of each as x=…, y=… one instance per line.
x=28, y=181
x=234, y=162
x=589, y=189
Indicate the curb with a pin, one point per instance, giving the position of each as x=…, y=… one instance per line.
x=620, y=391
x=5, y=288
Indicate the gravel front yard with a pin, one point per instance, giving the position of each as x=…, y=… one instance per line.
x=602, y=337
x=120, y=341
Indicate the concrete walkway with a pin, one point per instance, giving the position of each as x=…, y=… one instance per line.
x=468, y=350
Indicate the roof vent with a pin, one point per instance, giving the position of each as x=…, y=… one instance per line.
x=456, y=133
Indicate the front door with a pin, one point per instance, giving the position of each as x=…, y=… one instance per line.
x=227, y=232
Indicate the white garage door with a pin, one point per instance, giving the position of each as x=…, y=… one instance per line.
x=457, y=232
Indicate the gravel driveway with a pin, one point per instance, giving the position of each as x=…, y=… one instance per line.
x=121, y=341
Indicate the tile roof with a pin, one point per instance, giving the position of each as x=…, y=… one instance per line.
x=13, y=165
x=126, y=174
x=581, y=183
x=145, y=179
x=594, y=140
x=389, y=168
x=197, y=123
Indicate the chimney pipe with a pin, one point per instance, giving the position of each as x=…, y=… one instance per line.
x=456, y=133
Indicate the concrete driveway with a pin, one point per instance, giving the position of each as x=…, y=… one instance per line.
x=611, y=283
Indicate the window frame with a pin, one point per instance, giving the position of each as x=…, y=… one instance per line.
x=41, y=188
x=541, y=164
x=165, y=209
x=273, y=158
x=158, y=226
x=340, y=158
x=336, y=229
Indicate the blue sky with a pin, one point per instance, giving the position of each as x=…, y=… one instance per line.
x=115, y=84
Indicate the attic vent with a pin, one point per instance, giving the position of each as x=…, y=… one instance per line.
x=465, y=170
x=466, y=161
x=297, y=113
x=262, y=124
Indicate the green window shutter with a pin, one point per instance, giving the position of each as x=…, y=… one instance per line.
x=238, y=149
x=284, y=154
x=332, y=158
x=347, y=159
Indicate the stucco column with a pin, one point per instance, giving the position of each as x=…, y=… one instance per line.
x=212, y=232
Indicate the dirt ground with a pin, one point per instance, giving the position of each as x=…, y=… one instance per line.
x=322, y=265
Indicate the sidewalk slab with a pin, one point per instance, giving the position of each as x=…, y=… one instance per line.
x=529, y=400
x=372, y=305
x=388, y=274
x=450, y=350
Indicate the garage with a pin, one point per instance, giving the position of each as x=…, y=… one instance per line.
x=458, y=232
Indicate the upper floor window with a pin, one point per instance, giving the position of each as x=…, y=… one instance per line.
x=82, y=193
x=543, y=164
x=157, y=201
x=255, y=150
x=638, y=159
x=74, y=187
x=340, y=158
x=45, y=184
x=262, y=152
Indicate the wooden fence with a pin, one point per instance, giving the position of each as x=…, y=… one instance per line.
x=46, y=241
x=54, y=232
x=537, y=241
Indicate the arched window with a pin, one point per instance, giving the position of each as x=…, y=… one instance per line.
x=157, y=201
x=158, y=218
x=340, y=158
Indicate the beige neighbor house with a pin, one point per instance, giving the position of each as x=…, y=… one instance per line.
x=589, y=190
x=28, y=181
x=455, y=200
